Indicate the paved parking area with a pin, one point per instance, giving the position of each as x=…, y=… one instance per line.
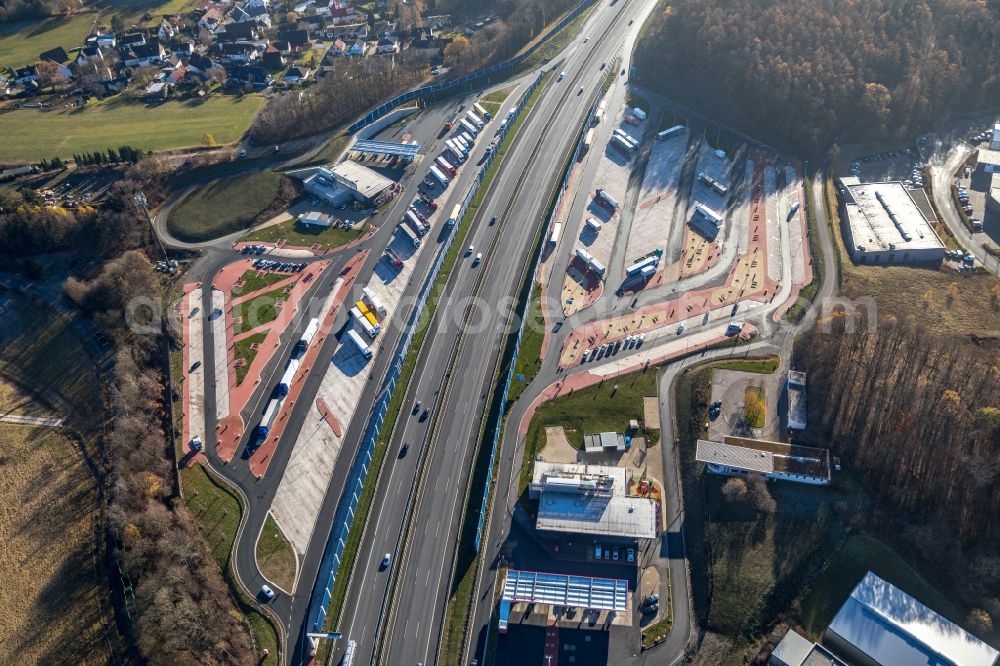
x=655, y=219
x=729, y=387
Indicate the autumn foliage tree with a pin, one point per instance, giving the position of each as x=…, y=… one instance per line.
x=809, y=73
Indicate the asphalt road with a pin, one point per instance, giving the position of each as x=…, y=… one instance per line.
x=449, y=436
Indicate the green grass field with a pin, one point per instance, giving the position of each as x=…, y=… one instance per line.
x=275, y=556
x=223, y=206
x=22, y=41
x=254, y=280
x=305, y=235
x=528, y=361
x=31, y=134
x=259, y=310
x=243, y=350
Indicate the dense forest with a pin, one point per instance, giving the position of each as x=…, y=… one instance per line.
x=12, y=10
x=918, y=418
x=807, y=74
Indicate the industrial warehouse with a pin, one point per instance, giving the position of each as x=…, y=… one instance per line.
x=883, y=225
x=740, y=456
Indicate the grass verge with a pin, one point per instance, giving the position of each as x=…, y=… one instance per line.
x=754, y=406
x=528, y=356
x=406, y=372
x=764, y=365
x=297, y=234
x=556, y=43
x=218, y=512
x=259, y=310
x=223, y=206
x=275, y=557
x=657, y=632
x=244, y=349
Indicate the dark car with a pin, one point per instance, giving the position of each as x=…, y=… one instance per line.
x=423, y=417
x=404, y=449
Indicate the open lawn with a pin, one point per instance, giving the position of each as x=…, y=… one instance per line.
x=22, y=41
x=223, y=206
x=764, y=365
x=253, y=280
x=306, y=235
x=52, y=602
x=860, y=554
x=244, y=349
x=218, y=512
x=493, y=101
x=275, y=556
x=603, y=407
x=31, y=134
x=258, y=310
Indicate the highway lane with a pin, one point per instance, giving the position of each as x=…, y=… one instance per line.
x=421, y=593
x=258, y=495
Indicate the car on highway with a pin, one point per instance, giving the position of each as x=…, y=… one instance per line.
x=470, y=250
x=404, y=449
x=423, y=417
x=603, y=65
x=478, y=259
x=385, y=561
x=493, y=220
x=580, y=91
x=562, y=75
x=266, y=592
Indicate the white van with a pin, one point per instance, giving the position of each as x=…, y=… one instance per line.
x=478, y=259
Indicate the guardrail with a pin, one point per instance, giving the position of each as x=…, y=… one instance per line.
x=501, y=413
x=344, y=516
x=434, y=89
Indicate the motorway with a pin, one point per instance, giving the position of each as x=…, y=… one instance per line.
x=456, y=369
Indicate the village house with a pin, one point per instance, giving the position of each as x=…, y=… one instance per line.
x=142, y=55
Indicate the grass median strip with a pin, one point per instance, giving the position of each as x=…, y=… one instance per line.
x=259, y=310
x=254, y=280
x=297, y=234
x=529, y=360
x=244, y=349
x=409, y=365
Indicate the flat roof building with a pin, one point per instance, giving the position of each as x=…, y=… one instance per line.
x=315, y=218
x=590, y=499
x=796, y=650
x=795, y=385
x=586, y=592
x=880, y=625
x=605, y=441
x=988, y=160
x=345, y=181
x=883, y=225
x=995, y=141
x=741, y=456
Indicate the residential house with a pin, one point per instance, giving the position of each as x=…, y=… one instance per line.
x=254, y=4
x=176, y=75
x=339, y=48
x=184, y=49
x=211, y=19
x=246, y=31
x=357, y=48
x=158, y=90
x=295, y=36
x=239, y=52
x=341, y=12
x=259, y=15
x=142, y=55
x=296, y=74
x=166, y=32
x=250, y=75
x=239, y=15
x=132, y=39
x=202, y=66
x=106, y=40
x=26, y=75
x=387, y=44
x=283, y=46
x=272, y=58
x=91, y=54
x=57, y=55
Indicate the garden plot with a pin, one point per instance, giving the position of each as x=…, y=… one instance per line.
x=307, y=475
x=655, y=222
